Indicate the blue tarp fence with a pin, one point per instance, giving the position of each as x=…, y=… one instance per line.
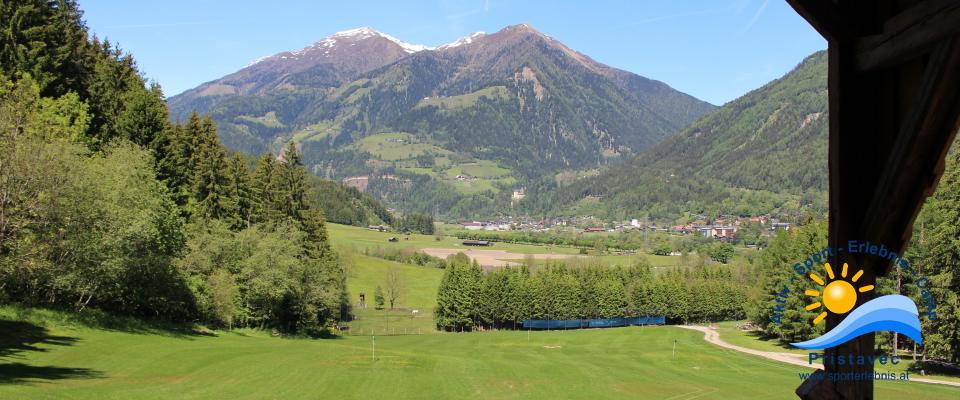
x=591, y=323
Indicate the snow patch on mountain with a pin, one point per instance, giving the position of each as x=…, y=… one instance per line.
x=462, y=41
x=366, y=32
x=354, y=35
x=257, y=60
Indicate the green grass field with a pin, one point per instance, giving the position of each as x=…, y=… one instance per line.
x=361, y=238
x=396, y=146
x=268, y=120
x=421, y=293
x=61, y=360
x=313, y=132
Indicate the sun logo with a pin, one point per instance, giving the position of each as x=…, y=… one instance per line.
x=839, y=296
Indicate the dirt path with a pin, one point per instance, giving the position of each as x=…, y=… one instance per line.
x=493, y=258
x=712, y=336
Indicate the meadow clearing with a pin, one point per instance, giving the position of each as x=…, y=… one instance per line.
x=50, y=357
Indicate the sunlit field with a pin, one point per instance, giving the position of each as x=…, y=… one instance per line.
x=64, y=360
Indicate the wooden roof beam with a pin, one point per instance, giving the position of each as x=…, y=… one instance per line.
x=826, y=17
x=916, y=159
x=909, y=34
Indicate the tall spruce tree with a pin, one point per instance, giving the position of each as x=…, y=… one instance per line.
x=242, y=191
x=45, y=39
x=265, y=193
x=292, y=182
x=144, y=118
x=173, y=164
x=213, y=197
x=193, y=139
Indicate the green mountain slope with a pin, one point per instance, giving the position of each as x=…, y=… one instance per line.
x=764, y=152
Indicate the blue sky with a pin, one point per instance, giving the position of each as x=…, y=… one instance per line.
x=714, y=50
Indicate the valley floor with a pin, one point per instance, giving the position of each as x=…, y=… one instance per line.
x=358, y=240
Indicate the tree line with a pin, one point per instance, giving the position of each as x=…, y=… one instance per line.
x=403, y=255
x=106, y=203
x=469, y=299
x=416, y=222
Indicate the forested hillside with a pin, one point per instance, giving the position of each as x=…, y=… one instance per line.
x=346, y=205
x=105, y=203
x=764, y=152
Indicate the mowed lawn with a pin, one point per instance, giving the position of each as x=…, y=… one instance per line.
x=85, y=363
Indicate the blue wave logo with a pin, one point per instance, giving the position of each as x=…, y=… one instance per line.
x=893, y=313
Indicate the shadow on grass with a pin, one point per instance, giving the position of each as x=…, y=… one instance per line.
x=15, y=373
x=17, y=337
x=94, y=318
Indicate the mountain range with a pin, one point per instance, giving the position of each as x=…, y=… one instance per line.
x=469, y=128
x=469, y=121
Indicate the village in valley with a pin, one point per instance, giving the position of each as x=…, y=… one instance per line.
x=722, y=228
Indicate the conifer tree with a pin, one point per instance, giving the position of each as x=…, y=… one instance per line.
x=193, y=139
x=242, y=191
x=458, y=297
x=144, y=118
x=444, y=312
x=173, y=164
x=292, y=183
x=611, y=299
x=264, y=190
x=518, y=303
x=110, y=86
x=378, y=298
x=212, y=194
x=472, y=285
x=494, y=292
x=44, y=40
